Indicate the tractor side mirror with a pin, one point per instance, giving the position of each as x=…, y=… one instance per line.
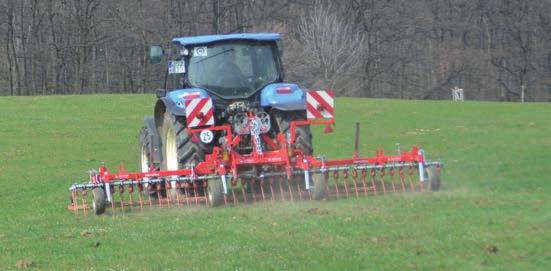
x=155, y=54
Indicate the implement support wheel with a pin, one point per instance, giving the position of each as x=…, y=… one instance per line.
x=320, y=184
x=215, y=193
x=99, y=201
x=433, y=178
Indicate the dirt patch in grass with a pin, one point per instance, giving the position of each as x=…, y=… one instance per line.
x=24, y=263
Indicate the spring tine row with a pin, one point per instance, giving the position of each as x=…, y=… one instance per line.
x=353, y=181
x=386, y=179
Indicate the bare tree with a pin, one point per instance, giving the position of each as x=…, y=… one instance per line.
x=331, y=50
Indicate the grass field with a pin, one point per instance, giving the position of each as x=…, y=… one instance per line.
x=494, y=212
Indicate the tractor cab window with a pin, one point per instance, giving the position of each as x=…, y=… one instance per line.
x=233, y=70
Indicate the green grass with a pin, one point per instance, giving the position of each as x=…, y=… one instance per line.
x=496, y=194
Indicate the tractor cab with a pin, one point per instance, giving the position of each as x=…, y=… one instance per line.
x=234, y=66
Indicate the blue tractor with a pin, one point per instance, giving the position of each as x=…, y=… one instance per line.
x=242, y=74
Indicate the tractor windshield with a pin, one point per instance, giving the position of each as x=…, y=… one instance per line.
x=233, y=70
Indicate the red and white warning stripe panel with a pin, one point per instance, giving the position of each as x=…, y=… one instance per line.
x=320, y=104
x=199, y=112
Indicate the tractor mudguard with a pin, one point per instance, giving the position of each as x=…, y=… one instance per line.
x=283, y=96
x=174, y=100
x=171, y=106
x=149, y=123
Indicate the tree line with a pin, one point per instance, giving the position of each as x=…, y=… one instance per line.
x=493, y=49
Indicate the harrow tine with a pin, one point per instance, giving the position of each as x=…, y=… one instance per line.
x=364, y=177
x=374, y=187
x=336, y=178
x=149, y=190
x=290, y=190
x=354, y=180
x=84, y=202
x=271, y=183
x=382, y=174
x=401, y=173
x=234, y=198
x=77, y=199
x=281, y=188
x=298, y=189
x=410, y=173
x=327, y=192
x=178, y=188
x=243, y=190
x=112, y=189
x=168, y=191
x=253, y=191
x=186, y=192
x=140, y=191
x=130, y=192
x=262, y=182
x=205, y=195
x=195, y=194
x=82, y=199
x=74, y=200
x=391, y=173
x=225, y=200
x=121, y=198
x=345, y=181
x=159, y=198
x=233, y=184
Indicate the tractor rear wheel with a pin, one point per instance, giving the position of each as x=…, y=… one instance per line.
x=433, y=178
x=215, y=193
x=303, y=135
x=179, y=150
x=303, y=139
x=99, y=202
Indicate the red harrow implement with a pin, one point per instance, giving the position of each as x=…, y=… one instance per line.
x=277, y=171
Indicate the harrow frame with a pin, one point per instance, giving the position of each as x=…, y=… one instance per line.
x=287, y=162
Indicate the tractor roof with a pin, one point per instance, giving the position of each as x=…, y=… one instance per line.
x=214, y=38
